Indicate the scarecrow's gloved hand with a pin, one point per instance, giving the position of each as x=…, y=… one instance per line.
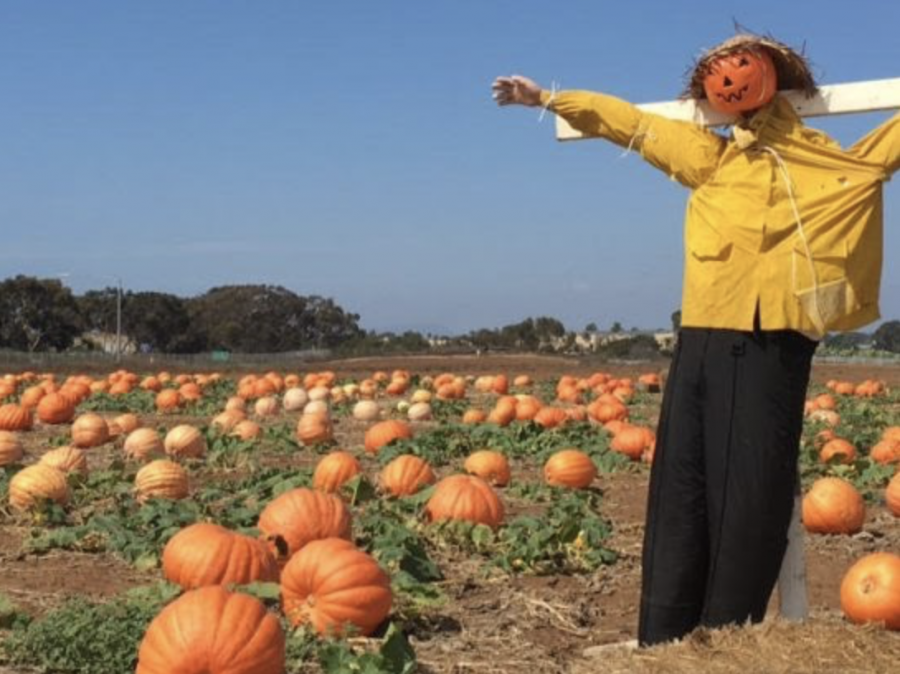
x=516, y=90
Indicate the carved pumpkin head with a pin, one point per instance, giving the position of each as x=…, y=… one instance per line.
x=741, y=82
x=742, y=73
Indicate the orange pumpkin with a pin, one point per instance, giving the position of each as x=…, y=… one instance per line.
x=406, y=475
x=490, y=466
x=885, y=451
x=335, y=587
x=632, y=441
x=11, y=449
x=870, y=590
x=892, y=495
x=15, y=418
x=840, y=448
x=127, y=422
x=334, y=470
x=206, y=554
x=89, y=430
x=465, y=498
x=37, y=483
x=67, y=460
x=168, y=400
x=833, y=506
x=314, y=429
x=551, y=417
x=247, y=430
x=185, y=441
x=213, y=631
x=161, y=479
x=741, y=82
x=474, y=416
x=570, y=468
x=300, y=516
x=384, y=433
x=143, y=443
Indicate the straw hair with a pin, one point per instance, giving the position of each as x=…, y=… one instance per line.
x=792, y=68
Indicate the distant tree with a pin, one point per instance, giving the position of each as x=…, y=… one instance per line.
x=676, y=320
x=37, y=314
x=846, y=340
x=98, y=309
x=591, y=327
x=887, y=337
x=269, y=319
x=162, y=322
x=616, y=327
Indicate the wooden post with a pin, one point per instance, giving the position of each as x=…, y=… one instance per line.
x=835, y=99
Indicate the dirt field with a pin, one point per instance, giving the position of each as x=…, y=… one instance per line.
x=493, y=622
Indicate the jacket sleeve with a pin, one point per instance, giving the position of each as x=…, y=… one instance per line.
x=881, y=146
x=687, y=152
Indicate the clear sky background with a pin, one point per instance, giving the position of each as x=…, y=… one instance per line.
x=352, y=149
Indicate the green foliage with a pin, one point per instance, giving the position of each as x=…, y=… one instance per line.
x=83, y=637
x=394, y=655
x=38, y=314
x=137, y=401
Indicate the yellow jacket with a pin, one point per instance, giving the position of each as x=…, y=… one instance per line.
x=743, y=244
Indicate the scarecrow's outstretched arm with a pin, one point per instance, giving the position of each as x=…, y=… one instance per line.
x=687, y=152
x=881, y=146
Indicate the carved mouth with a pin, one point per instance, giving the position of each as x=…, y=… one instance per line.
x=735, y=96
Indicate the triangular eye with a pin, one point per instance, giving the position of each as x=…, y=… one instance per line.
x=744, y=62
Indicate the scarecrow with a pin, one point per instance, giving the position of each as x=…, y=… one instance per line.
x=783, y=242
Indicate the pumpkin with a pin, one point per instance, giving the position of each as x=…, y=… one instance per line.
x=474, y=416
x=336, y=588
x=168, y=400
x=247, y=430
x=870, y=590
x=213, y=631
x=891, y=433
x=37, y=483
x=892, y=495
x=550, y=417
x=143, y=443
x=829, y=417
x=266, y=407
x=67, y=460
x=317, y=407
x=632, y=441
x=302, y=515
x=420, y=396
x=885, y=451
x=161, y=479
x=741, y=82
x=490, y=466
x=11, y=449
x=838, y=448
x=570, y=468
x=833, y=506
x=366, y=410
x=227, y=420
x=314, y=429
x=295, y=399
x=384, y=433
x=55, y=408
x=334, y=470
x=15, y=417
x=207, y=554
x=235, y=403
x=419, y=412
x=405, y=475
x=185, y=441
x=127, y=422
x=465, y=498
x=190, y=392
x=89, y=430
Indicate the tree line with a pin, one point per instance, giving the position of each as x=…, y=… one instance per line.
x=43, y=314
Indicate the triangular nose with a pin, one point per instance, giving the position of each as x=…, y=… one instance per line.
x=727, y=82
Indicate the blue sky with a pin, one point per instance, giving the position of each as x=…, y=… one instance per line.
x=352, y=149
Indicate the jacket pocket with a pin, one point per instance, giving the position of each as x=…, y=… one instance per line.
x=708, y=245
x=821, y=287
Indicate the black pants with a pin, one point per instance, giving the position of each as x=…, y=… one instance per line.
x=723, y=479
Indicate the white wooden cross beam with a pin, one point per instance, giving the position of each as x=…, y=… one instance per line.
x=833, y=99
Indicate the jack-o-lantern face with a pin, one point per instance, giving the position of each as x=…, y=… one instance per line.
x=741, y=82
